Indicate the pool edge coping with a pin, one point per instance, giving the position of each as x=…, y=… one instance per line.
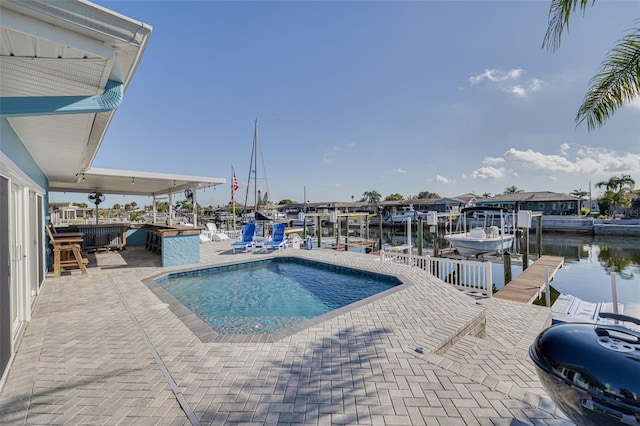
x=207, y=335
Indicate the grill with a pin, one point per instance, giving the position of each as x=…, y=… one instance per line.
x=592, y=372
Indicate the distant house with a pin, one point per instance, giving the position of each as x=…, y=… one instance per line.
x=65, y=212
x=548, y=203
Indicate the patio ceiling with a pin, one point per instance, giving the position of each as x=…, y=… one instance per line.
x=73, y=48
x=128, y=182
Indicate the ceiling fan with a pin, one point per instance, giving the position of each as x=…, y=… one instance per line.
x=96, y=197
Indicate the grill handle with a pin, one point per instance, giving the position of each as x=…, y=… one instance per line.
x=596, y=407
x=619, y=317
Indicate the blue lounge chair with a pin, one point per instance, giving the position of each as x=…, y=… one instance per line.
x=277, y=240
x=246, y=243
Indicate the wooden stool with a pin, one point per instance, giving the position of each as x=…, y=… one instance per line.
x=66, y=252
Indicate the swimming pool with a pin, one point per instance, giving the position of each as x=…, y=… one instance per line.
x=271, y=295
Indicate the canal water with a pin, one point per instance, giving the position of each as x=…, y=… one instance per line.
x=588, y=265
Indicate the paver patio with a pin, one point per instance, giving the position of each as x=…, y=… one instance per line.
x=104, y=349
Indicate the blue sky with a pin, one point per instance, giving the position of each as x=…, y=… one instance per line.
x=398, y=97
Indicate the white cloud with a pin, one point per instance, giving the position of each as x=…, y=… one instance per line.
x=496, y=75
x=535, y=85
x=328, y=159
x=510, y=81
x=442, y=179
x=578, y=160
x=634, y=103
x=519, y=91
x=485, y=173
x=530, y=158
x=493, y=160
x=398, y=171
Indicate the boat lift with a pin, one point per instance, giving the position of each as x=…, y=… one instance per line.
x=335, y=217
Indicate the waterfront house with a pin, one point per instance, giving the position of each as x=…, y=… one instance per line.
x=65, y=68
x=548, y=203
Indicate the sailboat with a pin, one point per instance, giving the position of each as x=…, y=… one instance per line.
x=255, y=213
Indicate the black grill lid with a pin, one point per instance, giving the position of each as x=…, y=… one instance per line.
x=603, y=360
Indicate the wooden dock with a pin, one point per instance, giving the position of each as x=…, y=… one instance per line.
x=525, y=288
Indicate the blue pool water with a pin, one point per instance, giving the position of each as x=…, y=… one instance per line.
x=269, y=296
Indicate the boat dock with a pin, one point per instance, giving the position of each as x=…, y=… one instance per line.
x=526, y=287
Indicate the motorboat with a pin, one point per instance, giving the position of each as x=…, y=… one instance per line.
x=487, y=234
x=592, y=371
x=407, y=212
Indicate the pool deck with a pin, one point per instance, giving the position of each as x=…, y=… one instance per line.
x=102, y=348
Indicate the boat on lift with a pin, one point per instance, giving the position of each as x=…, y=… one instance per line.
x=484, y=231
x=407, y=212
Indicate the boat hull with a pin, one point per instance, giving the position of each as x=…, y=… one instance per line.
x=468, y=245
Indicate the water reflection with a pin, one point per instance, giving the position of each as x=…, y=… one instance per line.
x=589, y=262
x=620, y=255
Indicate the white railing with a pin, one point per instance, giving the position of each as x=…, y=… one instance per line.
x=56, y=221
x=465, y=275
x=233, y=235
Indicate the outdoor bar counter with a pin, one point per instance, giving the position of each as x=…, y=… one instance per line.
x=101, y=236
x=176, y=245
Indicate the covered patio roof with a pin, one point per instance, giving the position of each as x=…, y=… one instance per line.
x=129, y=182
x=65, y=68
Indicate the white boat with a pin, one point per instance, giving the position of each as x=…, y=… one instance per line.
x=569, y=308
x=406, y=213
x=488, y=238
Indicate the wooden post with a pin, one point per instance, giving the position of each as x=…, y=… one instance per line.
x=525, y=248
x=304, y=227
x=435, y=241
x=366, y=227
x=319, y=232
x=346, y=236
x=539, y=235
x=420, y=231
x=380, y=229
x=506, y=258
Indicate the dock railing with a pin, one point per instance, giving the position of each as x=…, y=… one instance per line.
x=464, y=275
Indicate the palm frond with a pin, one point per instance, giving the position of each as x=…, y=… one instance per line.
x=617, y=82
x=559, y=14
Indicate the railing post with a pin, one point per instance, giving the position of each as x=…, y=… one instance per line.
x=547, y=287
x=614, y=293
x=489, y=275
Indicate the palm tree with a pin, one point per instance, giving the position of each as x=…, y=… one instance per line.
x=486, y=195
x=428, y=195
x=617, y=189
x=512, y=190
x=579, y=193
x=372, y=197
x=617, y=183
x=617, y=81
x=394, y=197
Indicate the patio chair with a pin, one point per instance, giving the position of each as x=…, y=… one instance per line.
x=277, y=239
x=246, y=244
x=213, y=234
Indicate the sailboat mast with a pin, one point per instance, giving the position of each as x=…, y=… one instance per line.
x=255, y=163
